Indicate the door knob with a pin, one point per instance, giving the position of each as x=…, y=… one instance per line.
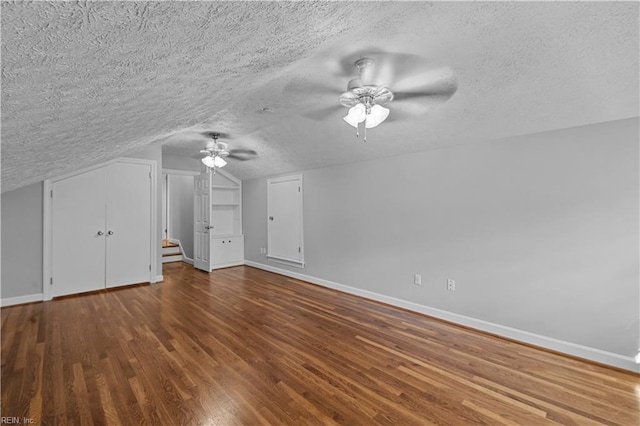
x=109, y=232
x=100, y=233
x=270, y=217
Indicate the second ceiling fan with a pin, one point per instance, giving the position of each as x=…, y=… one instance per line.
x=217, y=152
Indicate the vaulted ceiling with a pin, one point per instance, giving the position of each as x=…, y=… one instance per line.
x=85, y=82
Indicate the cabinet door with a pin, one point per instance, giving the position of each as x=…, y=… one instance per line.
x=227, y=251
x=128, y=224
x=78, y=233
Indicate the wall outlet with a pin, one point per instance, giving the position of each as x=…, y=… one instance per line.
x=417, y=279
x=451, y=284
x=263, y=250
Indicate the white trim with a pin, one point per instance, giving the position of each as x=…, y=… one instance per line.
x=586, y=352
x=229, y=176
x=227, y=265
x=10, y=301
x=158, y=279
x=47, y=210
x=47, y=267
x=184, y=257
x=284, y=261
x=179, y=172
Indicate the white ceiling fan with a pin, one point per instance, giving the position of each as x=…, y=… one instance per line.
x=388, y=85
x=217, y=152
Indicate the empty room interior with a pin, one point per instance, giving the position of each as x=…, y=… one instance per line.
x=315, y=213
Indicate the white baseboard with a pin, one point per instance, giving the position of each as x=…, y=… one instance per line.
x=159, y=279
x=184, y=257
x=10, y=301
x=589, y=353
x=227, y=265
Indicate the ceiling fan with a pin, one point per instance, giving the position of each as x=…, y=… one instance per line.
x=394, y=85
x=217, y=152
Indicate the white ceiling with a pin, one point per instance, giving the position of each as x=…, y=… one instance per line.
x=84, y=82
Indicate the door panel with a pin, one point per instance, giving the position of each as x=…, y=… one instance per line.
x=128, y=224
x=284, y=222
x=202, y=222
x=78, y=218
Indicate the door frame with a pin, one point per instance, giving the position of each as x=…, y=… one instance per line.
x=47, y=230
x=168, y=173
x=300, y=210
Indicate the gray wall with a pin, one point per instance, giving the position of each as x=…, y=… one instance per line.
x=22, y=218
x=180, y=162
x=22, y=241
x=181, y=211
x=540, y=232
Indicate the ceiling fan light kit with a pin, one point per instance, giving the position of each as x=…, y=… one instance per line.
x=418, y=86
x=218, y=151
x=365, y=102
x=214, y=161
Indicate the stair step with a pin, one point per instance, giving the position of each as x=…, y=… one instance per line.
x=167, y=243
x=172, y=258
x=171, y=253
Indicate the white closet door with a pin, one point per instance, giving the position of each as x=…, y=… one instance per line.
x=284, y=224
x=78, y=233
x=128, y=224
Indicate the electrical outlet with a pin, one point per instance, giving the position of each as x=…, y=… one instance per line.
x=417, y=279
x=263, y=250
x=451, y=284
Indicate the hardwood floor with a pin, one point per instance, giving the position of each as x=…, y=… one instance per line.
x=241, y=346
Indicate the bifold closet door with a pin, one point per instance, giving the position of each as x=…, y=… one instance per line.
x=78, y=233
x=128, y=224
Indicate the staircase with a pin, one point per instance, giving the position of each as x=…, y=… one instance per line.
x=171, y=252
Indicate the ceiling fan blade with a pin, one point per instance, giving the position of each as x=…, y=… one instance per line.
x=321, y=114
x=437, y=81
x=242, y=154
x=416, y=104
x=431, y=89
x=311, y=89
x=209, y=134
x=386, y=68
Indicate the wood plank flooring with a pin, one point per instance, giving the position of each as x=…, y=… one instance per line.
x=241, y=346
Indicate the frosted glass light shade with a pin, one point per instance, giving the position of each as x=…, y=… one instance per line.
x=219, y=162
x=212, y=162
x=208, y=161
x=356, y=115
x=376, y=116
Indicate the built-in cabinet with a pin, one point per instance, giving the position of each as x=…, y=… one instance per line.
x=218, y=239
x=101, y=228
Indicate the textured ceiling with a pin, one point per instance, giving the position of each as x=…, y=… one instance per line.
x=84, y=82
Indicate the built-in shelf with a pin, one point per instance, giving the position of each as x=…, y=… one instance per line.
x=226, y=214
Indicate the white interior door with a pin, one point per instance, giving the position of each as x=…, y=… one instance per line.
x=202, y=222
x=128, y=224
x=78, y=233
x=284, y=222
